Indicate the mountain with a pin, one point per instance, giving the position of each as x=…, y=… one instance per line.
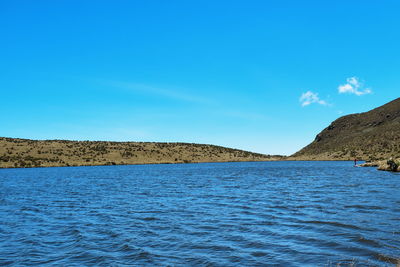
x=45, y=153
x=371, y=135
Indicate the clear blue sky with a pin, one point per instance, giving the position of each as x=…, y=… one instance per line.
x=264, y=76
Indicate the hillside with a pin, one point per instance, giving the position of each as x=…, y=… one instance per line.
x=35, y=153
x=370, y=135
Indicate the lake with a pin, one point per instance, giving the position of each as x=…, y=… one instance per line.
x=209, y=214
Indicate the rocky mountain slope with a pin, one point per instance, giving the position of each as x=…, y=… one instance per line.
x=34, y=153
x=371, y=135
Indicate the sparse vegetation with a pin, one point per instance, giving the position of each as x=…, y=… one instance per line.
x=373, y=135
x=23, y=153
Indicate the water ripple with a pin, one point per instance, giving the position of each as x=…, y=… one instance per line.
x=227, y=214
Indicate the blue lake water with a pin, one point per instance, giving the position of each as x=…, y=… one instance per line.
x=212, y=214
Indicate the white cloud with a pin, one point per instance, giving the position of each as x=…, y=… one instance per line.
x=354, y=86
x=309, y=98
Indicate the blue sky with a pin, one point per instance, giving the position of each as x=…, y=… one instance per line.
x=264, y=76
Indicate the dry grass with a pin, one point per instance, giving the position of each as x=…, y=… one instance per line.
x=373, y=135
x=34, y=153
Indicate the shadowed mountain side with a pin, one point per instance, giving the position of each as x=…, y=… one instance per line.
x=370, y=135
x=38, y=153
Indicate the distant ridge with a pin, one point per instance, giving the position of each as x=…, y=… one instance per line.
x=46, y=153
x=371, y=135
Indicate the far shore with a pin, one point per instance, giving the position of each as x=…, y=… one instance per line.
x=26, y=153
x=168, y=163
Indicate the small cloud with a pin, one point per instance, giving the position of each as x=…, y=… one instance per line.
x=309, y=98
x=354, y=86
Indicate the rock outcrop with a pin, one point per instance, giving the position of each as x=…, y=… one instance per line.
x=390, y=165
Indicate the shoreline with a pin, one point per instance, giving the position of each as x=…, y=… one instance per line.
x=380, y=165
x=167, y=163
x=134, y=164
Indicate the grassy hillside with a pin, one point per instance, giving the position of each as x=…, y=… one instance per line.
x=371, y=135
x=34, y=153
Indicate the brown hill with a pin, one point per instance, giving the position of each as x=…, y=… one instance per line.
x=370, y=135
x=35, y=153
